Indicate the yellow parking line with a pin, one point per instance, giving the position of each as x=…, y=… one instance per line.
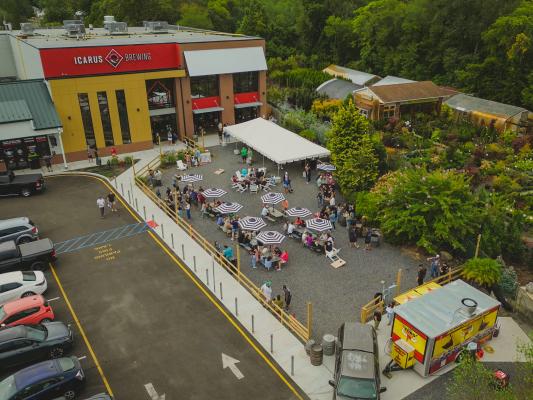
x=82, y=332
x=207, y=294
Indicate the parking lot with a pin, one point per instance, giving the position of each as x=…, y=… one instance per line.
x=148, y=324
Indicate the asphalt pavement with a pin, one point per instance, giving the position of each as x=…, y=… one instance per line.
x=149, y=325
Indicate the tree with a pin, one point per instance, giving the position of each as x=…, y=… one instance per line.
x=16, y=11
x=196, y=16
x=352, y=150
x=254, y=20
x=220, y=16
x=434, y=210
x=485, y=272
x=55, y=11
x=134, y=12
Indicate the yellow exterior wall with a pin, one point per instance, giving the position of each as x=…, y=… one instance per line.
x=65, y=97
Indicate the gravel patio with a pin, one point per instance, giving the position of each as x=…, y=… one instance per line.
x=336, y=294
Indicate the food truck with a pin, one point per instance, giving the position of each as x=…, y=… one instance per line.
x=433, y=326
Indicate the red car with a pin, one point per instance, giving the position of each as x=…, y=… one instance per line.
x=29, y=310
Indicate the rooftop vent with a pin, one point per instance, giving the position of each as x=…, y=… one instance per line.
x=116, y=28
x=74, y=28
x=156, y=26
x=26, y=28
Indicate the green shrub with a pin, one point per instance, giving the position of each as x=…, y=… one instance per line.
x=483, y=271
x=168, y=159
x=509, y=282
x=114, y=161
x=128, y=160
x=308, y=134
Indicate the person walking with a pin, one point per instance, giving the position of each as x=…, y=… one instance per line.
x=288, y=297
x=253, y=258
x=266, y=289
x=100, y=202
x=220, y=129
x=48, y=162
x=352, y=237
x=244, y=154
x=421, y=274
x=390, y=313
x=333, y=219
x=111, y=202
x=307, y=173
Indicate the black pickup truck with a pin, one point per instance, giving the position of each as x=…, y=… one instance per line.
x=25, y=185
x=28, y=256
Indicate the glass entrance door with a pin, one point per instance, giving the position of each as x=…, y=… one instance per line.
x=208, y=121
x=162, y=125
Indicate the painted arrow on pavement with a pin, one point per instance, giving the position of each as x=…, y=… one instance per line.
x=152, y=393
x=229, y=362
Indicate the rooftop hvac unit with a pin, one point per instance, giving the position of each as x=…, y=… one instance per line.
x=26, y=28
x=75, y=30
x=70, y=22
x=115, y=27
x=109, y=18
x=156, y=26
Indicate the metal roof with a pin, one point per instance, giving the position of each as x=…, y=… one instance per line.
x=468, y=103
x=408, y=92
x=392, y=80
x=337, y=88
x=14, y=111
x=56, y=38
x=38, y=103
x=441, y=310
x=358, y=77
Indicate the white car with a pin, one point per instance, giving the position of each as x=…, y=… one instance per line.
x=15, y=285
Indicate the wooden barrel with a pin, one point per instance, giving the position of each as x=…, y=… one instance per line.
x=316, y=354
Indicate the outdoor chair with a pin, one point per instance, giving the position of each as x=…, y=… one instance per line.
x=241, y=188
x=180, y=165
x=333, y=254
x=254, y=188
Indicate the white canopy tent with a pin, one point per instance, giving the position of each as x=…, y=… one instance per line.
x=274, y=142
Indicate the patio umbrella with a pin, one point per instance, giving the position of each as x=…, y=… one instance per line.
x=252, y=223
x=272, y=198
x=326, y=167
x=318, y=224
x=270, y=237
x=191, y=178
x=298, y=212
x=228, y=208
x=214, y=193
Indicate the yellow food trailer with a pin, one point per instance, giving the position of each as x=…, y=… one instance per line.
x=430, y=329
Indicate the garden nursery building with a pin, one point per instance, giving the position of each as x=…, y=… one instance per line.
x=126, y=87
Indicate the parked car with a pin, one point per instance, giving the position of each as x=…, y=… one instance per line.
x=21, y=230
x=24, y=185
x=19, y=284
x=31, y=310
x=24, y=344
x=45, y=381
x=28, y=256
x=99, y=396
x=357, y=373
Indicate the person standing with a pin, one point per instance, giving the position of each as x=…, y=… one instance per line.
x=377, y=319
x=188, y=209
x=253, y=258
x=100, y=202
x=111, y=201
x=435, y=263
x=307, y=173
x=352, y=237
x=368, y=239
x=48, y=162
x=288, y=297
x=220, y=130
x=90, y=154
x=390, y=313
x=286, y=182
x=421, y=274
x=244, y=154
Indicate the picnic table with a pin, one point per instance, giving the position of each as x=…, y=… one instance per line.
x=275, y=213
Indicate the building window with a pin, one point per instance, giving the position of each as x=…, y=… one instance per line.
x=123, y=116
x=86, y=118
x=106, y=119
x=388, y=112
x=204, y=86
x=364, y=112
x=244, y=82
x=160, y=93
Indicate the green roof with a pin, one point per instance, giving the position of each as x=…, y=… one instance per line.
x=468, y=103
x=28, y=100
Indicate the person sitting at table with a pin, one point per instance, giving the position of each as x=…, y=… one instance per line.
x=285, y=205
x=309, y=241
x=227, y=227
x=267, y=262
x=220, y=220
x=283, y=258
x=290, y=228
x=244, y=172
x=264, y=211
x=265, y=252
x=277, y=251
x=234, y=179
x=299, y=222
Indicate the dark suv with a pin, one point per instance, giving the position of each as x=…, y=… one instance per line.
x=357, y=374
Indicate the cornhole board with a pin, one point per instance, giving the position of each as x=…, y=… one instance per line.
x=219, y=171
x=339, y=262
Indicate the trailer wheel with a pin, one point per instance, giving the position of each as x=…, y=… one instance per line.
x=25, y=192
x=38, y=266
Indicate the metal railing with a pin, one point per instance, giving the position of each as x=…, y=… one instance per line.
x=367, y=311
x=300, y=330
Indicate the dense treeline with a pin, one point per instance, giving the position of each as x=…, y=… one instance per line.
x=484, y=47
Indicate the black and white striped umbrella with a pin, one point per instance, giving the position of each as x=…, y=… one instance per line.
x=214, y=193
x=298, y=212
x=252, y=223
x=191, y=178
x=326, y=167
x=272, y=198
x=270, y=237
x=228, y=208
x=319, y=224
